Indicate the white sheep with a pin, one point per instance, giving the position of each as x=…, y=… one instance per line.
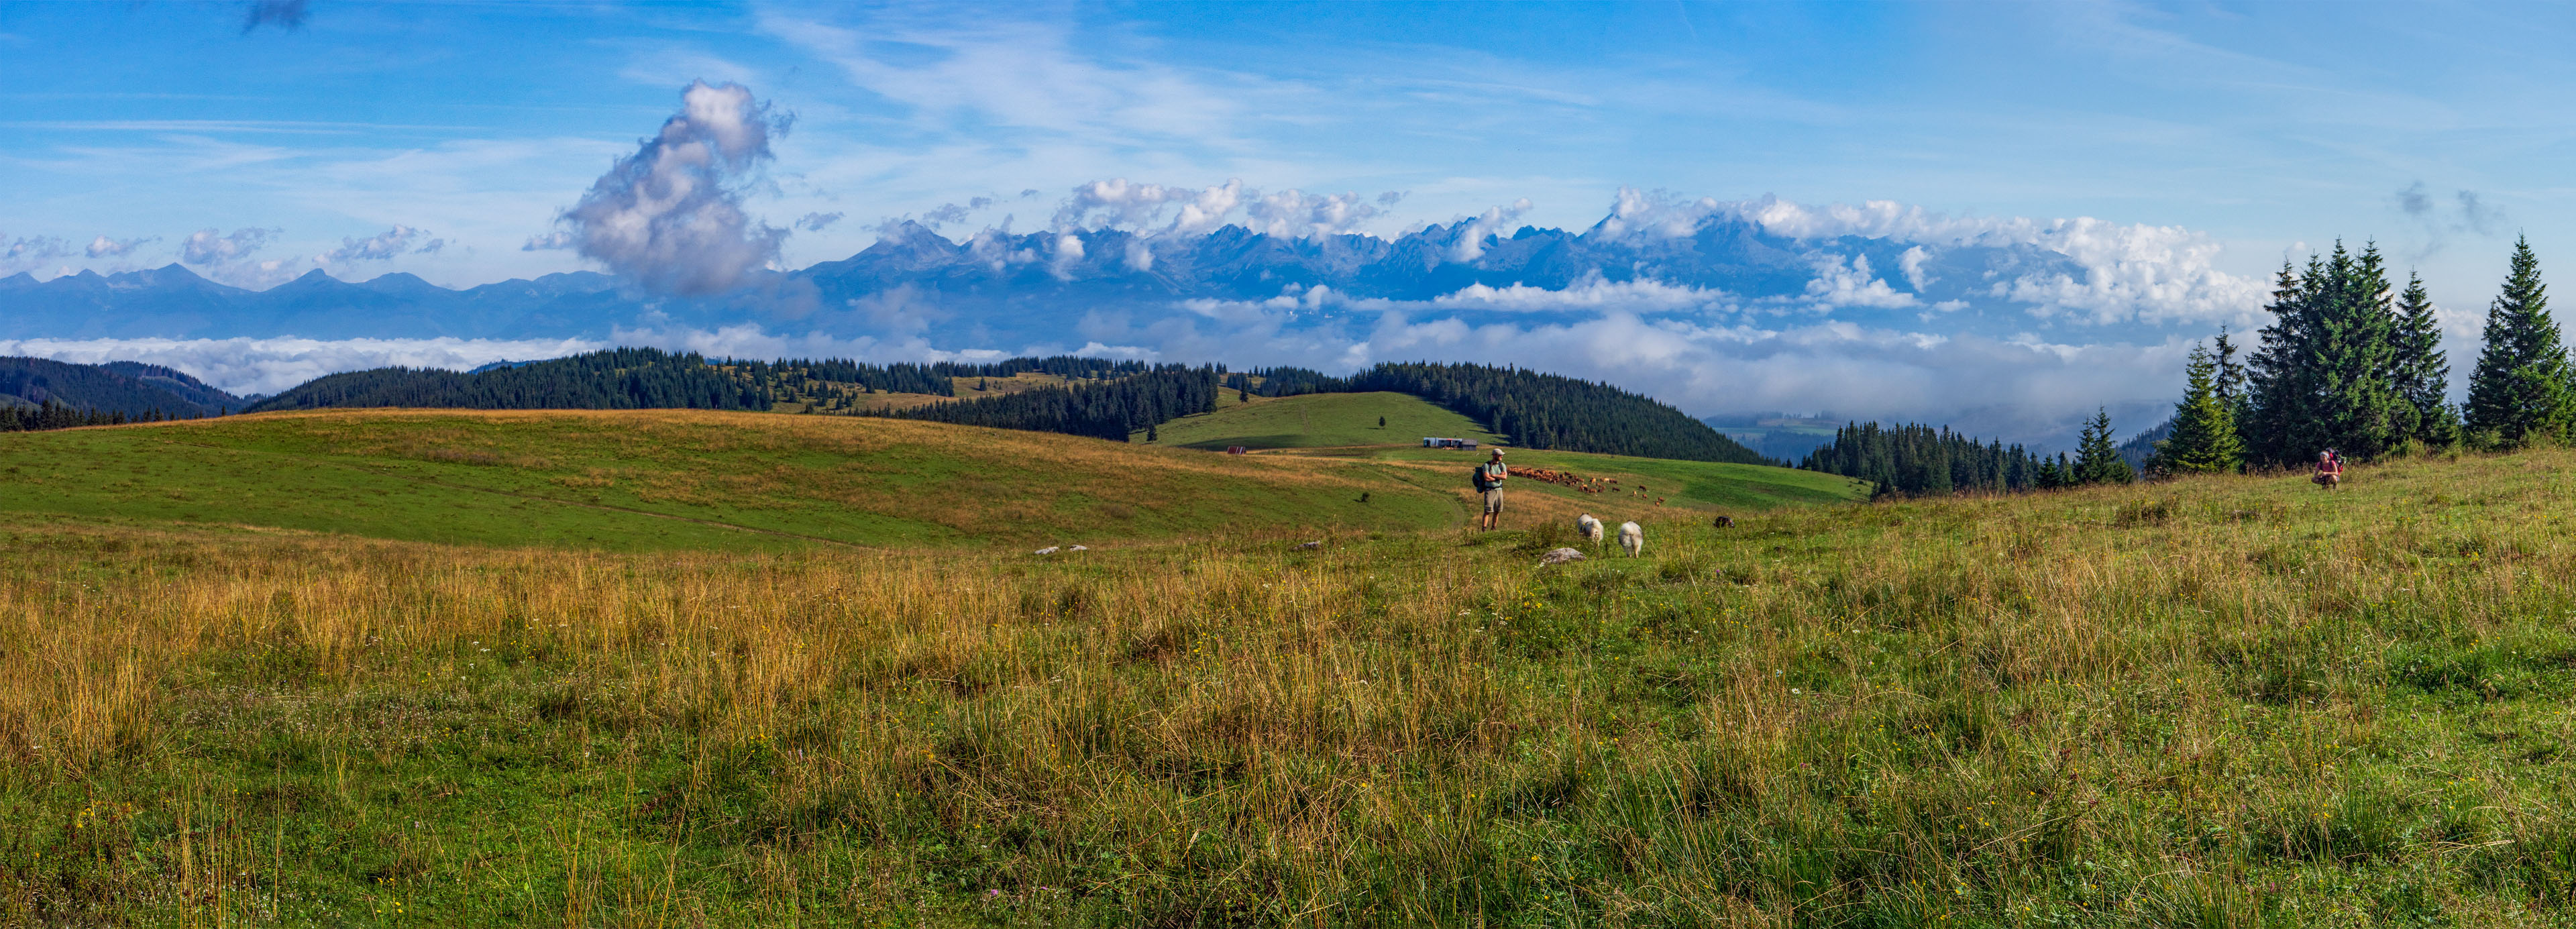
x=1049, y=550
x=1588, y=527
x=1633, y=538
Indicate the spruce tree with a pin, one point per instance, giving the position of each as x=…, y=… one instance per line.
x=2356, y=405
x=2097, y=460
x=2204, y=430
x=2519, y=392
x=2279, y=376
x=2422, y=374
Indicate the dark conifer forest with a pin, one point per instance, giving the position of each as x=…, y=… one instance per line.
x=1544, y=411
x=1103, y=409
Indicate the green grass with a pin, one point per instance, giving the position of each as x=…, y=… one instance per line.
x=1711, y=484
x=2220, y=702
x=1319, y=420
x=680, y=479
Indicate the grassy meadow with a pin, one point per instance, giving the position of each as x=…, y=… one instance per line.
x=685, y=479
x=1319, y=420
x=2217, y=702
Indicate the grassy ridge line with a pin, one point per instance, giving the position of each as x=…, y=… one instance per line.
x=2227, y=701
x=579, y=478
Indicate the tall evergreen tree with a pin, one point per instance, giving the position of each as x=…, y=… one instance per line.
x=2204, y=431
x=2357, y=406
x=2519, y=392
x=2421, y=372
x=2279, y=387
x=2323, y=376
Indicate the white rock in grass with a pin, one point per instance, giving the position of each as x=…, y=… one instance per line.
x=1049, y=550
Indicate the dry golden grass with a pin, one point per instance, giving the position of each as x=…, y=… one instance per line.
x=2219, y=702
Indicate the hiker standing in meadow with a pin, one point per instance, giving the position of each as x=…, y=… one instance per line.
x=1489, y=481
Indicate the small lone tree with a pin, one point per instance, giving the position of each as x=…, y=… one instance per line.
x=2097, y=461
x=1381, y=422
x=2204, y=432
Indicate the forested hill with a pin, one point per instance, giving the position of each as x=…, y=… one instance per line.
x=1094, y=396
x=136, y=390
x=1105, y=409
x=1535, y=410
x=646, y=378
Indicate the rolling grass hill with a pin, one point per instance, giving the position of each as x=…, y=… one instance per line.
x=2224, y=701
x=1318, y=420
x=659, y=479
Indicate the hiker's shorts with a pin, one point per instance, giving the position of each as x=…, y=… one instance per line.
x=1494, y=500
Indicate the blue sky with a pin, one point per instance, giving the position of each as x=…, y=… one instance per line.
x=2253, y=129
x=2261, y=125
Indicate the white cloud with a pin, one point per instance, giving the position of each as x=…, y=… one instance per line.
x=1851, y=283
x=1590, y=293
x=671, y=214
x=1911, y=265
x=2142, y=273
x=266, y=366
x=383, y=246
x=104, y=247
x=207, y=247
x=29, y=253
x=995, y=70
x=1494, y=221
x=1295, y=214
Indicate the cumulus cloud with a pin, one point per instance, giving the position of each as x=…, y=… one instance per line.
x=104, y=247
x=671, y=214
x=1493, y=222
x=1296, y=214
x=1841, y=282
x=1164, y=209
x=209, y=247
x=816, y=222
x=383, y=246
x=266, y=366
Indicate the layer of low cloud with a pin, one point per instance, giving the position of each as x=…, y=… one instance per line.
x=266, y=366
x=671, y=214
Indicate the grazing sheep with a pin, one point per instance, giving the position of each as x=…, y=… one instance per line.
x=1633, y=538
x=1560, y=556
x=1588, y=527
x=1049, y=550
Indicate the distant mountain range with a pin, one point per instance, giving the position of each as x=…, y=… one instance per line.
x=1068, y=288
x=128, y=387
